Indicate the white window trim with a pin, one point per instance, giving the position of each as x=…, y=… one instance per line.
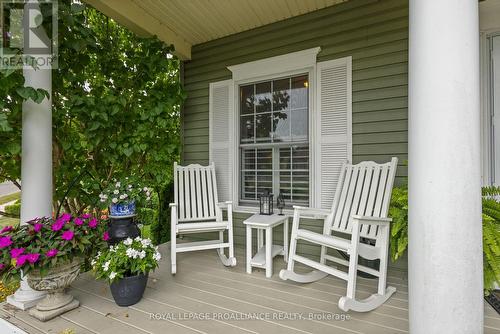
x=266, y=69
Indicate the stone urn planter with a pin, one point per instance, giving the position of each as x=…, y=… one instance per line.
x=55, y=282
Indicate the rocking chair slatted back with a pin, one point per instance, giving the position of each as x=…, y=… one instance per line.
x=195, y=191
x=363, y=189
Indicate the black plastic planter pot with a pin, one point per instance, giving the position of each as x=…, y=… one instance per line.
x=129, y=290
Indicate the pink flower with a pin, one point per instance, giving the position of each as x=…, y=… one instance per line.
x=5, y=241
x=21, y=260
x=6, y=229
x=78, y=221
x=86, y=216
x=93, y=223
x=37, y=227
x=15, y=252
x=2, y=266
x=67, y=235
x=33, y=257
x=51, y=253
x=105, y=236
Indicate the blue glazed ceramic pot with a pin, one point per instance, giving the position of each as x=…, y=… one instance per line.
x=122, y=209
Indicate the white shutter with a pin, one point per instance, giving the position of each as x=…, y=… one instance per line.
x=333, y=126
x=221, y=136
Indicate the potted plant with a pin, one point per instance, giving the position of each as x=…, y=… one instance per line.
x=398, y=211
x=126, y=266
x=122, y=196
x=50, y=253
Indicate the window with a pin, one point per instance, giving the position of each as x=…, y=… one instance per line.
x=274, y=139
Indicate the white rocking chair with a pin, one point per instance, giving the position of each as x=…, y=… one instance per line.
x=360, y=208
x=196, y=209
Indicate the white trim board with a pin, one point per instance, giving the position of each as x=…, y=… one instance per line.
x=274, y=66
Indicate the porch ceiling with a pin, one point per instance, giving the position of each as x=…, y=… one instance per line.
x=187, y=23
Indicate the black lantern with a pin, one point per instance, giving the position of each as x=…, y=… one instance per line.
x=266, y=203
x=280, y=203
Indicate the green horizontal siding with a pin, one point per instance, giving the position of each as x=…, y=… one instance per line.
x=374, y=33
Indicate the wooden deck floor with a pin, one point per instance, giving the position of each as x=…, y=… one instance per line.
x=203, y=287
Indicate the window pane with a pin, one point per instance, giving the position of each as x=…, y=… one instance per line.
x=299, y=124
x=247, y=129
x=281, y=126
x=281, y=94
x=257, y=172
x=294, y=174
x=263, y=127
x=300, y=92
x=246, y=99
x=263, y=97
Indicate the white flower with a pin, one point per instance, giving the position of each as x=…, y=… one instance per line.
x=123, y=196
x=93, y=262
x=138, y=238
x=142, y=254
x=118, y=184
x=148, y=198
x=132, y=253
x=145, y=189
x=129, y=186
x=140, y=225
x=157, y=256
x=126, y=178
x=128, y=241
x=101, y=195
x=112, y=275
x=114, y=200
x=116, y=191
x=103, y=200
x=146, y=242
x=106, y=266
x=148, y=193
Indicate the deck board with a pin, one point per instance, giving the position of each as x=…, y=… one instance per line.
x=203, y=285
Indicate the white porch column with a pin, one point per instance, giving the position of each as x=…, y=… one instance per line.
x=36, y=166
x=445, y=234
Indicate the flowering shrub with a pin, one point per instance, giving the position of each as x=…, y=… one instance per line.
x=124, y=191
x=44, y=243
x=130, y=257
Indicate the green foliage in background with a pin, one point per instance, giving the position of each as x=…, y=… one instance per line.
x=398, y=211
x=491, y=236
x=116, y=108
x=14, y=209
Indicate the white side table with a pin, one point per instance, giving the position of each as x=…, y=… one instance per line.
x=265, y=255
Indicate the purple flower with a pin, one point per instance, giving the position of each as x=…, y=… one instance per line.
x=105, y=236
x=57, y=225
x=15, y=252
x=67, y=235
x=6, y=229
x=78, y=221
x=5, y=241
x=93, y=223
x=51, y=253
x=86, y=216
x=37, y=227
x=32, y=257
x=2, y=266
x=65, y=217
x=21, y=260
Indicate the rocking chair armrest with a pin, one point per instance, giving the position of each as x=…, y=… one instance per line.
x=369, y=220
x=225, y=205
x=315, y=212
